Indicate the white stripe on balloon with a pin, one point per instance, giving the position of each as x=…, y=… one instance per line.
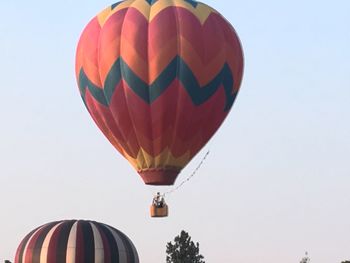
x=99, y=251
x=45, y=246
x=72, y=244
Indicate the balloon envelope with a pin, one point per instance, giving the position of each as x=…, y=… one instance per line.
x=159, y=78
x=73, y=241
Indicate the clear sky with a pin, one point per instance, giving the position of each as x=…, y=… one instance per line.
x=276, y=182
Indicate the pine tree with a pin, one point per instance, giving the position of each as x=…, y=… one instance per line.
x=183, y=250
x=305, y=259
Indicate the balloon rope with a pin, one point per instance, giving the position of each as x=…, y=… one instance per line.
x=190, y=177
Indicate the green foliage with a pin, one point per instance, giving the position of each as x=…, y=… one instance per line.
x=183, y=250
x=305, y=259
x=347, y=261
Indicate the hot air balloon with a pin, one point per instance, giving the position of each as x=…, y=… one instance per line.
x=76, y=241
x=159, y=78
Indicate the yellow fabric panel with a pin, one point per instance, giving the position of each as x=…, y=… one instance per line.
x=166, y=157
x=202, y=11
x=164, y=160
x=141, y=5
x=102, y=16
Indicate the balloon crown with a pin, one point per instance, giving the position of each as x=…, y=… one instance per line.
x=151, y=2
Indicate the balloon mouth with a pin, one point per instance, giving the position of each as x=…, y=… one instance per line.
x=159, y=176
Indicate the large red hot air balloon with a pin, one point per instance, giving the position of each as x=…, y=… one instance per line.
x=159, y=78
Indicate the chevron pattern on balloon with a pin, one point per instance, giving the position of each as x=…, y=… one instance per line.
x=151, y=9
x=159, y=78
x=127, y=34
x=177, y=69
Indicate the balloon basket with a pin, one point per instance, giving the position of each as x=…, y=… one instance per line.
x=159, y=211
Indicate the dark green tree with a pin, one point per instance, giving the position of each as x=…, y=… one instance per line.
x=347, y=261
x=183, y=250
x=305, y=259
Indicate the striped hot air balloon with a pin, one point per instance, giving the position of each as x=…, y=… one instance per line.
x=159, y=78
x=73, y=241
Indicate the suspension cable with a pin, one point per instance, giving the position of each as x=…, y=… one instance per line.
x=189, y=177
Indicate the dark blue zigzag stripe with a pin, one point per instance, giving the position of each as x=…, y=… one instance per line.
x=151, y=2
x=177, y=69
x=191, y=2
x=116, y=4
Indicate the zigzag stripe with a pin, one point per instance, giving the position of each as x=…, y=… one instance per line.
x=157, y=42
x=150, y=8
x=177, y=69
x=151, y=2
x=115, y=5
x=191, y=2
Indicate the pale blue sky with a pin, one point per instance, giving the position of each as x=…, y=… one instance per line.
x=276, y=182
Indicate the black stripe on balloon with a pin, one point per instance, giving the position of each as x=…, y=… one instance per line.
x=115, y=5
x=128, y=246
x=89, y=242
x=151, y=2
x=113, y=246
x=96, y=92
x=24, y=243
x=191, y=2
x=177, y=69
x=41, y=238
x=62, y=241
